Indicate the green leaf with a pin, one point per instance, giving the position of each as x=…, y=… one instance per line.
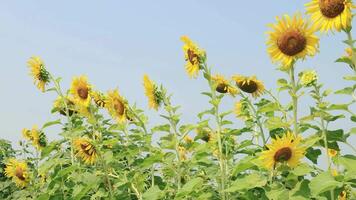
x=276, y=122
x=247, y=182
x=350, y=78
x=190, y=186
x=270, y=107
x=51, y=123
x=243, y=165
x=346, y=60
x=339, y=107
x=349, y=162
x=152, y=193
x=322, y=183
x=313, y=154
x=353, y=118
x=302, y=169
x=336, y=135
x=347, y=91
x=163, y=128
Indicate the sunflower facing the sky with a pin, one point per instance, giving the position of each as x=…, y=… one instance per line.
x=283, y=150
x=86, y=150
x=291, y=38
x=80, y=90
x=39, y=73
x=154, y=95
x=17, y=171
x=193, y=55
x=249, y=85
x=223, y=85
x=36, y=136
x=330, y=15
x=117, y=106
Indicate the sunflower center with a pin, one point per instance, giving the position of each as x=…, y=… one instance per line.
x=292, y=42
x=89, y=151
x=222, y=88
x=249, y=87
x=83, y=92
x=331, y=8
x=192, y=57
x=19, y=173
x=283, y=154
x=119, y=108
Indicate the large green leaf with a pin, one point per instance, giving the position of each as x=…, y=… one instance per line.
x=247, y=182
x=322, y=183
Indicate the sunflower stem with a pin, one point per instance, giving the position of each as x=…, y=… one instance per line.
x=324, y=131
x=173, y=123
x=294, y=95
x=69, y=119
x=222, y=160
x=259, y=123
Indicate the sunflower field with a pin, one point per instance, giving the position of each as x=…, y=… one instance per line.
x=107, y=148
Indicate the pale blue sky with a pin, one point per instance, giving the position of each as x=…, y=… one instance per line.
x=115, y=42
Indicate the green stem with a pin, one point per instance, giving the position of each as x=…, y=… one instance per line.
x=351, y=45
x=173, y=124
x=222, y=160
x=108, y=182
x=59, y=92
x=294, y=99
x=324, y=131
x=259, y=123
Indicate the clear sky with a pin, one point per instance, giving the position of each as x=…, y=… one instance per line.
x=115, y=42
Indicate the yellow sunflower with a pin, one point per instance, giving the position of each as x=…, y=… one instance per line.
x=17, y=171
x=194, y=57
x=36, y=136
x=80, y=90
x=308, y=78
x=182, y=153
x=291, y=39
x=39, y=73
x=117, y=106
x=332, y=152
x=331, y=14
x=283, y=150
x=223, y=85
x=59, y=106
x=99, y=98
x=342, y=195
x=249, y=85
x=86, y=150
x=154, y=95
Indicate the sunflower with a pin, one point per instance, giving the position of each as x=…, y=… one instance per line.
x=36, y=136
x=18, y=171
x=182, y=153
x=249, y=84
x=308, y=78
x=241, y=110
x=332, y=152
x=223, y=85
x=330, y=14
x=99, y=98
x=59, y=105
x=86, y=150
x=342, y=195
x=194, y=57
x=117, y=106
x=283, y=150
x=154, y=95
x=80, y=90
x=291, y=39
x=39, y=73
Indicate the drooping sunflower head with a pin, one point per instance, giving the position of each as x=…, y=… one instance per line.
x=241, y=110
x=80, y=90
x=308, y=78
x=60, y=104
x=99, y=99
x=194, y=57
x=39, y=73
x=117, y=106
x=291, y=39
x=249, y=85
x=331, y=15
x=86, y=150
x=36, y=137
x=153, y=93
x=223, y=86
x=17, y=171
x=283, y=150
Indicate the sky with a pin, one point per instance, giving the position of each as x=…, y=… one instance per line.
x=115, y=43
